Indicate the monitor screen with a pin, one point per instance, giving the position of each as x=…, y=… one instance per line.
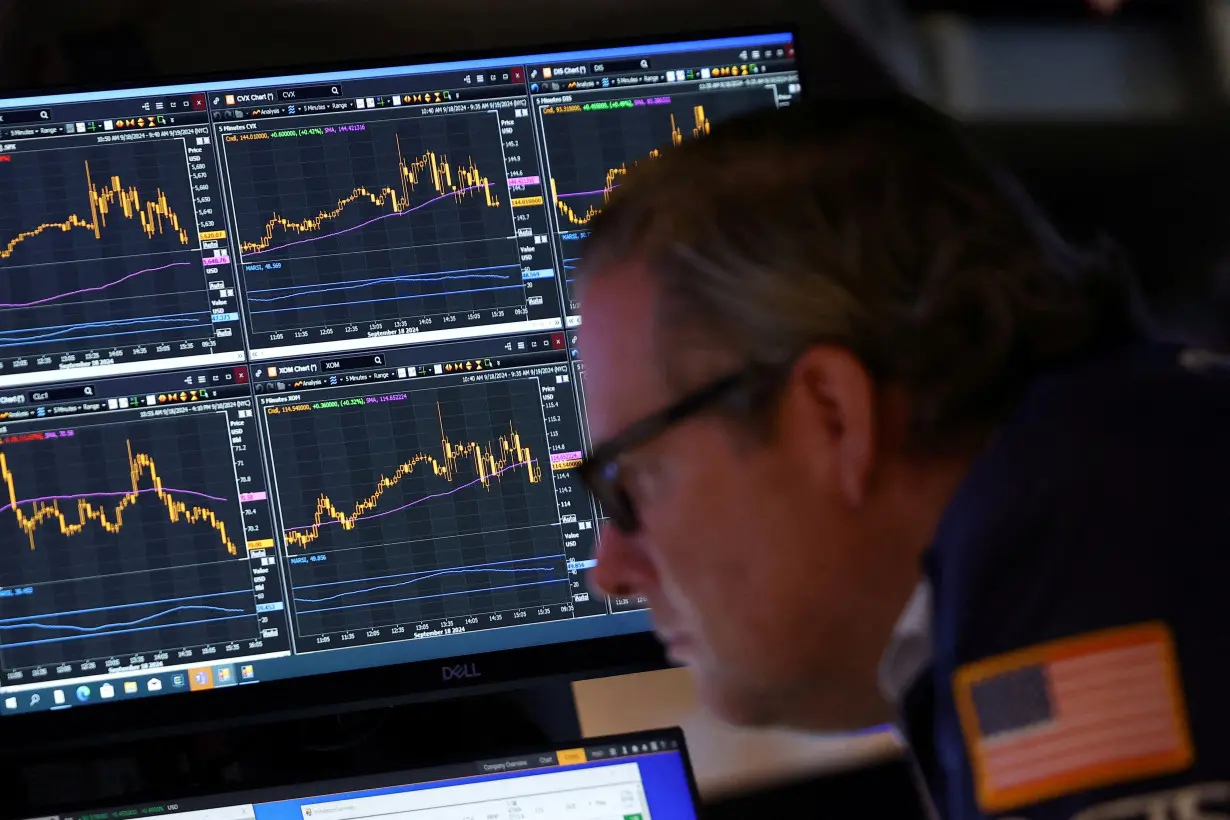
x=634, y=777
x=288, y=383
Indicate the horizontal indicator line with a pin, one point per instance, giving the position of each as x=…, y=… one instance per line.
x=127, y=606
x=108, y=495
x=389, y=299
x=64, y=338
x=124, y=631
x=420, y=572
x=427, y=597
x=380, y=279
x=439, y=574
x=408, y=279
x=101, y=627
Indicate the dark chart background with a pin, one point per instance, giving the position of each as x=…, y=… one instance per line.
x=430, y=547
x=153, y=584
x=434, y=254
x=584, y=147
x=65, y=291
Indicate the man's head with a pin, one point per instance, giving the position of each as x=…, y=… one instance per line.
x=797, y=332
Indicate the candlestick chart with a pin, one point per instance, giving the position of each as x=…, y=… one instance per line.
x=406, y=506
x=98, y=247
x=120, y=538
x=592, y=146
x=374, y=222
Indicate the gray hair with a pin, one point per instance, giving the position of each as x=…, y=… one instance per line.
x=873, y=225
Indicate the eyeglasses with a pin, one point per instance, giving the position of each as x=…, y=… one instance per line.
x=601, y=472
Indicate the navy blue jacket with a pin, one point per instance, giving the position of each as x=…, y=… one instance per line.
x=1081, y=628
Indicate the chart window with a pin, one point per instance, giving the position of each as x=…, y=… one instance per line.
x=137, y=531
x=431, y=493
x=596, y=125
x=391, y=219
x=113, y=252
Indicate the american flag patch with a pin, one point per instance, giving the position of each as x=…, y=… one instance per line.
x=1073, y=714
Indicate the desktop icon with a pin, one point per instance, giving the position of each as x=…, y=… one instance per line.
x=36, y=699
x=58, y=697
x=83, y=693
x=179, y=680
x=10, y=703
x=224, y=675
x=130, y=687
x=201, y=677
x=154, y=685
x=247, y=672
x=106, y=691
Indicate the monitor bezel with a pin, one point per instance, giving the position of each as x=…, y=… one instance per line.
x=407, y=681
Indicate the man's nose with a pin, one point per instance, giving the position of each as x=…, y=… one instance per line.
x=624, y=569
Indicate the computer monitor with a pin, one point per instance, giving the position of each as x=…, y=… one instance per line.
x=631, y=777
x=288, y=383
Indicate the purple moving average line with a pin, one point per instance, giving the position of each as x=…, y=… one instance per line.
x=415, y=501
x=93, y=289
x=104, y=495
x=370, y=221
x=587, y=193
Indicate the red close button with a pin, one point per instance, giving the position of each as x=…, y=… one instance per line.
x=198, y=102
x=518, y=74
x=558, y=341
x=241, y=375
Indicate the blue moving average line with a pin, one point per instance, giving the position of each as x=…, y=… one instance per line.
x=126, y=606
x=389, y=299
x=428, y=571
x=121, y=624
x=61, y=332
x=435, y=276
x=568, y=267
x=397, y=280
x=122, y=627
x=438, y=574
x=125, y=631
x=427, y=597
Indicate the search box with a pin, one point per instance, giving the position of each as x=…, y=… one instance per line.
x=309, y=92
x=620, y=66
x=245, y=811
x=24, y=116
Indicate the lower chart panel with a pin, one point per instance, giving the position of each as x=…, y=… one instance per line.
x=121, y=540
x=418, y=513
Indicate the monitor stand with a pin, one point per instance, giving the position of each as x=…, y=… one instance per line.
x=167, y=765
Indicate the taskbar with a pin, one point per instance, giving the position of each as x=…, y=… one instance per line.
x=132, y=684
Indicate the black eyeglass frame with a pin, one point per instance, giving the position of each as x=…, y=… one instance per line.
x=600, y=471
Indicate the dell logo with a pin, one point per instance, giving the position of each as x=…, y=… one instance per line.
x=461, y=671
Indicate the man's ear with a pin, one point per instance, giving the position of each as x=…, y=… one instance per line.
x=836, y=399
